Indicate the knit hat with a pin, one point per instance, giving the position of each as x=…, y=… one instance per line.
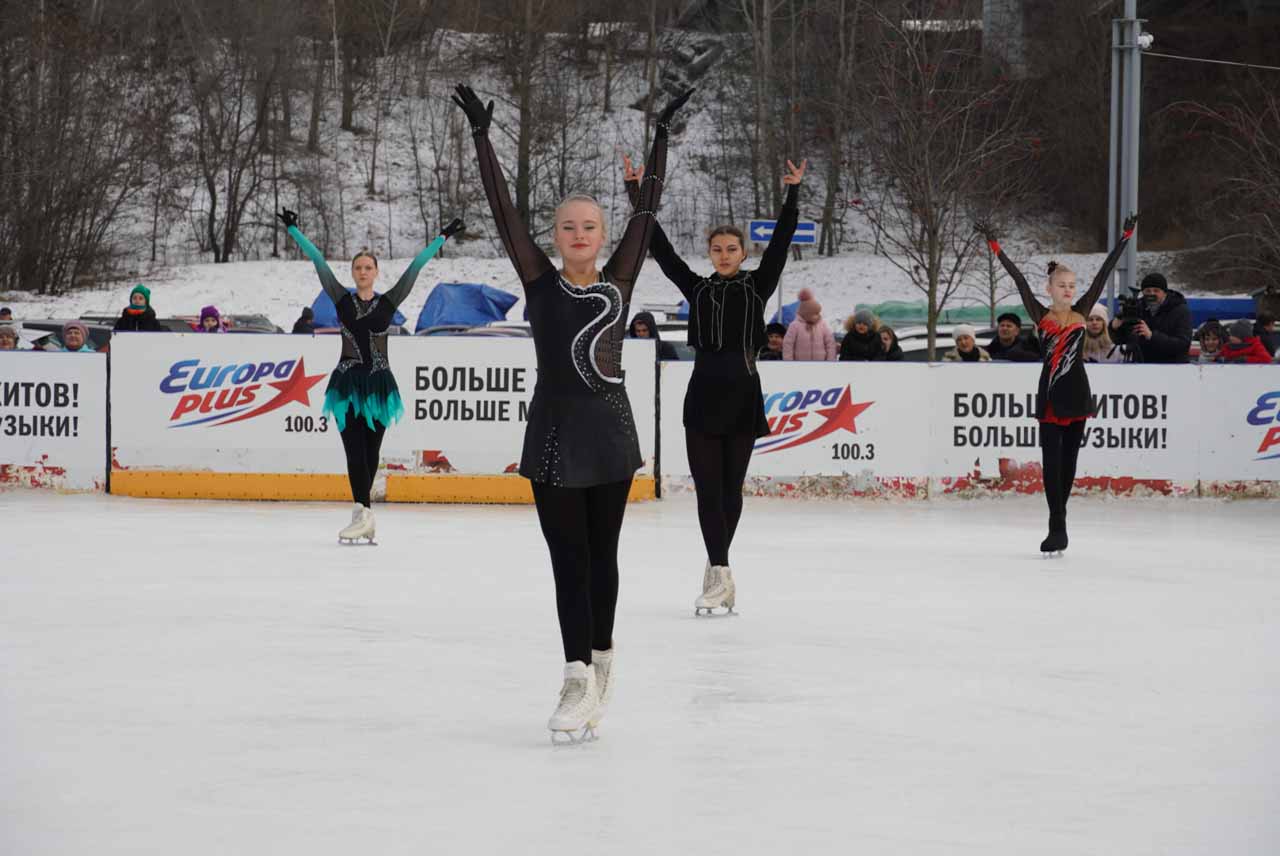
x=209, y=312
x=864, y=316
x=1101, y=311
x=1155, y=280
x=76, y=325
x=1011, y=317
x=1242, y=329
x=809, y=310
x=964, y=330
x=143, y=290
x=775, y=327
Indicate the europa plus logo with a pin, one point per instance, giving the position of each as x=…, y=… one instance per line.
x=222, y=394
x=800, y=416
x=1266, y=412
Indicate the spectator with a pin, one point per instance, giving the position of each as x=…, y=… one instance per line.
x=1242, y=346
x=8, y=337
x=138, y=315
x=774, y=334
x=1211, y=338
x=305, y=322
x=890, y=350
x=861, y=339
x=75, y=338
x=966, y=349
x=1265, y=330
x=210, y=320
x=643, y=326
x=1163, y=336
x=808, y=337
x=1008, y=343
x=6, y=314
x=1098, y=347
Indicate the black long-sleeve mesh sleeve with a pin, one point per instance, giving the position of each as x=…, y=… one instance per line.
x=775, y=254
x=526, y=257
x=1085, y=303
x=673, y=267
x=1034, y=307
x=624, y=265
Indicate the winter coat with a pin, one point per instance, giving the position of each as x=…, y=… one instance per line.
x=855, y=347
x=977, y=355
x=303, y=326
x=1115, y=355
x=766, y=354
x=812, y=342
x=1251, y=351
x=144, y=321
x=664, y=350
x=1170, y=325
x=1205, y=358
x=1021, y=351
x=893, y=355
x=1270, y=341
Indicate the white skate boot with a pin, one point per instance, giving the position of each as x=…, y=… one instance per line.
x=361, y=527
x=602, y=663
x=722, y=593
x=575, y=718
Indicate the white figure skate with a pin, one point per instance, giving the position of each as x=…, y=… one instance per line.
x=574, y=721
x=360, y=528
x=722, y=593
x=602, y=663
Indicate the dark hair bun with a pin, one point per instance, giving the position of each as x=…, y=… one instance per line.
x=1052, y=267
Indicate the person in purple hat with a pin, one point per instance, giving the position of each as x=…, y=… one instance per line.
x=210, y=320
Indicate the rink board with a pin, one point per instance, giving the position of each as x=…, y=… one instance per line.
x=53, y=420
x=242, y=417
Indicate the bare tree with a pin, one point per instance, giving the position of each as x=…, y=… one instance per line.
x=935, y=121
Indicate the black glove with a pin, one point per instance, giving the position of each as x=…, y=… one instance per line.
x=287, y=217
x=455, y=226
x=1129, y=223
x=983, y=228
x=479, y=115
x=669, y=112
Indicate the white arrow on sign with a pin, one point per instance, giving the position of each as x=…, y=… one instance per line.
x=760, y=231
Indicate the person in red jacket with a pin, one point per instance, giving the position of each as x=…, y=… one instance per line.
x=1242, y=346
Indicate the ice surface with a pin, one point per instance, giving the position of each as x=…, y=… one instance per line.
x=222, y=678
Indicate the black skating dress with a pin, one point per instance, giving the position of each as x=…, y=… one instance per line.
x=1064, y=395
x=726, y=330
x=581, y=431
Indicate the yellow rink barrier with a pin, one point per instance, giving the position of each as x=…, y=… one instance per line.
x=330, y=487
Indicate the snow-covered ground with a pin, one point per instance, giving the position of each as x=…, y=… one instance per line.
x=279, y=289
x=213, y=678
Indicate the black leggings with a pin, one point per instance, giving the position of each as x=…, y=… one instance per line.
x=1059, y=447
x=581, y=525
x=719, y=466
x=362, y=445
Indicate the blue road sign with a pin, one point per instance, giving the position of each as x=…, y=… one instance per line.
x=760, y=231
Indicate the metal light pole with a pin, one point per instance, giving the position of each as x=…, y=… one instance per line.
x=1127, y=43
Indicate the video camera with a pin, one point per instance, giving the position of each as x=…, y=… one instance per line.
x=1130, y=312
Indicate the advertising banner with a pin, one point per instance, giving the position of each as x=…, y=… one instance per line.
x=1239, y=419
x=53, y=420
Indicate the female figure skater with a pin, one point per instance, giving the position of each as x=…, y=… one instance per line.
x=580, y=447
x=1064, y=400
x=362, y=397
x=723, y=406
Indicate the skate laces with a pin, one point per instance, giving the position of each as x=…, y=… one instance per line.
x=573, y=693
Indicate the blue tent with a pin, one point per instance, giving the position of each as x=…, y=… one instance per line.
x=682, y=311
x=327, y=314
x=788, y=313
x=464, y=303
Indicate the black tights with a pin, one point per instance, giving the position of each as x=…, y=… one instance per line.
x=581, y=525
x=1060, y=447
x=362, y=445
x=719, y=466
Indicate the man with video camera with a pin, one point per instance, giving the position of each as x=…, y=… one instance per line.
x=1156, y=327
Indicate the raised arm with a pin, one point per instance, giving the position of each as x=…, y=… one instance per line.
x=624, y=265
x=673, y=267
x=1085, y=303
x=775, y=254
x=526, y=257
x=328, y=281
x=404, y=284
x=1034, y=307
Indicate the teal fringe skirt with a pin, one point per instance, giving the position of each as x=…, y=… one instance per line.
x=372, y=396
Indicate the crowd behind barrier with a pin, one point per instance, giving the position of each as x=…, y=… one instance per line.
x=253, y=405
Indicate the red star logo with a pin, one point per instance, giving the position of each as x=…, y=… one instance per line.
x=843, y=416
x=296, y=387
